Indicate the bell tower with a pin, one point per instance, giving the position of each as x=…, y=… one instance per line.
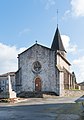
x=57, y=44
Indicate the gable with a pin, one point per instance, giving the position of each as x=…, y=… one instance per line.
x=34, y=47
x=36, y=54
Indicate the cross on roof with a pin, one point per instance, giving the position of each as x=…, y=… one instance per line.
x=36, y=41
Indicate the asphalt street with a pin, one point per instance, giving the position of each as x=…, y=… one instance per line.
x=43, y=109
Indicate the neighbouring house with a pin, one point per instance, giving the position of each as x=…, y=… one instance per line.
x=81, y=85
x=43, y=69
x=7, y=85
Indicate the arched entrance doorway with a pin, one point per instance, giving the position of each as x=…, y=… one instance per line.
x=37, y=84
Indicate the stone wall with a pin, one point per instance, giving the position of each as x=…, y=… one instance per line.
x=4, y=95
x=11, y=94
x=61, y=62
x=73, y=92
x=46, y=57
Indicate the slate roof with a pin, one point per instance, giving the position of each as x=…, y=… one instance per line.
x=6, y=74
x=81, y=84
x=57, y=42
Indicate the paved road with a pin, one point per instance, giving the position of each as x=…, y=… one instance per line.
x=42, y=109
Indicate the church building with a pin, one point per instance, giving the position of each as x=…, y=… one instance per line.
x=43, y=69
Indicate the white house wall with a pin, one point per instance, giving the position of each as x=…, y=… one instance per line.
x=4, y=84
x=61, y=62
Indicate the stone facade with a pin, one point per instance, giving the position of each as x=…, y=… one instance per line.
x=47, y=73
x=44, y=69
x=50, y=75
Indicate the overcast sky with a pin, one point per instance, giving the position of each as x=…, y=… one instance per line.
x=22, y=22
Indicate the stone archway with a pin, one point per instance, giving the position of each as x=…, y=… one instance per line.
x=37, y=84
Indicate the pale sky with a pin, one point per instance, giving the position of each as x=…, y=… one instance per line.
x=22, y=22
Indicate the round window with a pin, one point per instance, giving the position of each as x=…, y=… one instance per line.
x=36, y=66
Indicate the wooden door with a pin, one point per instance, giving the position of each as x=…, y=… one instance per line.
x=37, y=84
